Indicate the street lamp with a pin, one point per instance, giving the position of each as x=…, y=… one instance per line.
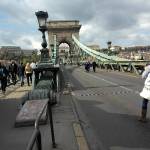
x=52, y=50
x=109, y=46
x=42, y=19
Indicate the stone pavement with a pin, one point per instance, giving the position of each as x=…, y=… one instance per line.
x=14, y=91
x=67, y=129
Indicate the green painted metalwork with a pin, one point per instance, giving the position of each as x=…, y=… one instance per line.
x=112, y=62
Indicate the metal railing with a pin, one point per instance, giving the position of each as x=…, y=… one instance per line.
x=36, y=136
x=112, y=62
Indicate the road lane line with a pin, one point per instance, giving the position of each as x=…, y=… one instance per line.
x=113, y=83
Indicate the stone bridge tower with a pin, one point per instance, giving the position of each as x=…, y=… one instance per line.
x=63, y=31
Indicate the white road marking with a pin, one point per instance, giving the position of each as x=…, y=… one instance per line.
x=113, y=83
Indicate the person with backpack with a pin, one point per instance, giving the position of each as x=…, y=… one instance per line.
x=3, y=77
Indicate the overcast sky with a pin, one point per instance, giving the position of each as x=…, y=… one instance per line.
x=124, y=22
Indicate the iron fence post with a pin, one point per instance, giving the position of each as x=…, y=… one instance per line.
x=51, y=124
x=38, y=140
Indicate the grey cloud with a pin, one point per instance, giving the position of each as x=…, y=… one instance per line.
x=118, y=21
x=81, y=10
x=109, y=18
x=16, y=10
x=14, y=38
x=110, y=14
x=27, y=42
x=7, y=38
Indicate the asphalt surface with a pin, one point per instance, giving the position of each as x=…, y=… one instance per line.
x=67, y=130
x=110, y=105
x=107, y=104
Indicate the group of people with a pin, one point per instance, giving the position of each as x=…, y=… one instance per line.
x=14, y=71
x=88, y=65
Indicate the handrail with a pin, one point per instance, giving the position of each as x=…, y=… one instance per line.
x=36, y=135
x=36, y=124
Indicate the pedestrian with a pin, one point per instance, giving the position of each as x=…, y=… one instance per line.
x=87, y=66
x=13, y=69
x=28, y=72
x=21, y=73
x=3, y=77
x=94, y=66
x=145, y=94
x=33, y=65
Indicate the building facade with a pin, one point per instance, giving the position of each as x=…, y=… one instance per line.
x=10, y=52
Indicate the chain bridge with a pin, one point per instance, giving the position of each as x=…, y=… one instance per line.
x=110, y=62
x=68, y=32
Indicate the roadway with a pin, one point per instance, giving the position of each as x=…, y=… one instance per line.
x=108, y=104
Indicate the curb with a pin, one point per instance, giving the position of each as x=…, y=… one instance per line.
x=82, y=144
x=79, y=134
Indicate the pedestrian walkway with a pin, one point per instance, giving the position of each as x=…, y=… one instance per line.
x=12, y=91
x=67, y=129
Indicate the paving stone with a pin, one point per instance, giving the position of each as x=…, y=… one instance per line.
x=30, y=111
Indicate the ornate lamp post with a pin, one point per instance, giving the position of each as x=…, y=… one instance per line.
x=52, y=50
x=42, y=19
x=109, y=46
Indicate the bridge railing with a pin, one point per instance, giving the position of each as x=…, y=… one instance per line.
x=98, y=55
x=36, y=135
x=125, y=66
x=113, y=62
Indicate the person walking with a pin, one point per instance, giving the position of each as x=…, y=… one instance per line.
x=21, y=72
x=3, y=77
x=33, y=65
x=145, y=94
x=28, y=72
x=94, y=66
x=13, y=69
x=87, y=66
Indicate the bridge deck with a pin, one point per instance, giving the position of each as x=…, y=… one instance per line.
x=18, y=138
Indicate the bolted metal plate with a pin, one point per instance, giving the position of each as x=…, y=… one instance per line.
x=29, y=112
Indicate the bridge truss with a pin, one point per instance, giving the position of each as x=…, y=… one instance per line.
x=111, y=62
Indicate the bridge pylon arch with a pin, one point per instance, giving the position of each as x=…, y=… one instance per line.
x=63, y=31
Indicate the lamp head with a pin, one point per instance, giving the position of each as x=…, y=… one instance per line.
x=42, y=19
